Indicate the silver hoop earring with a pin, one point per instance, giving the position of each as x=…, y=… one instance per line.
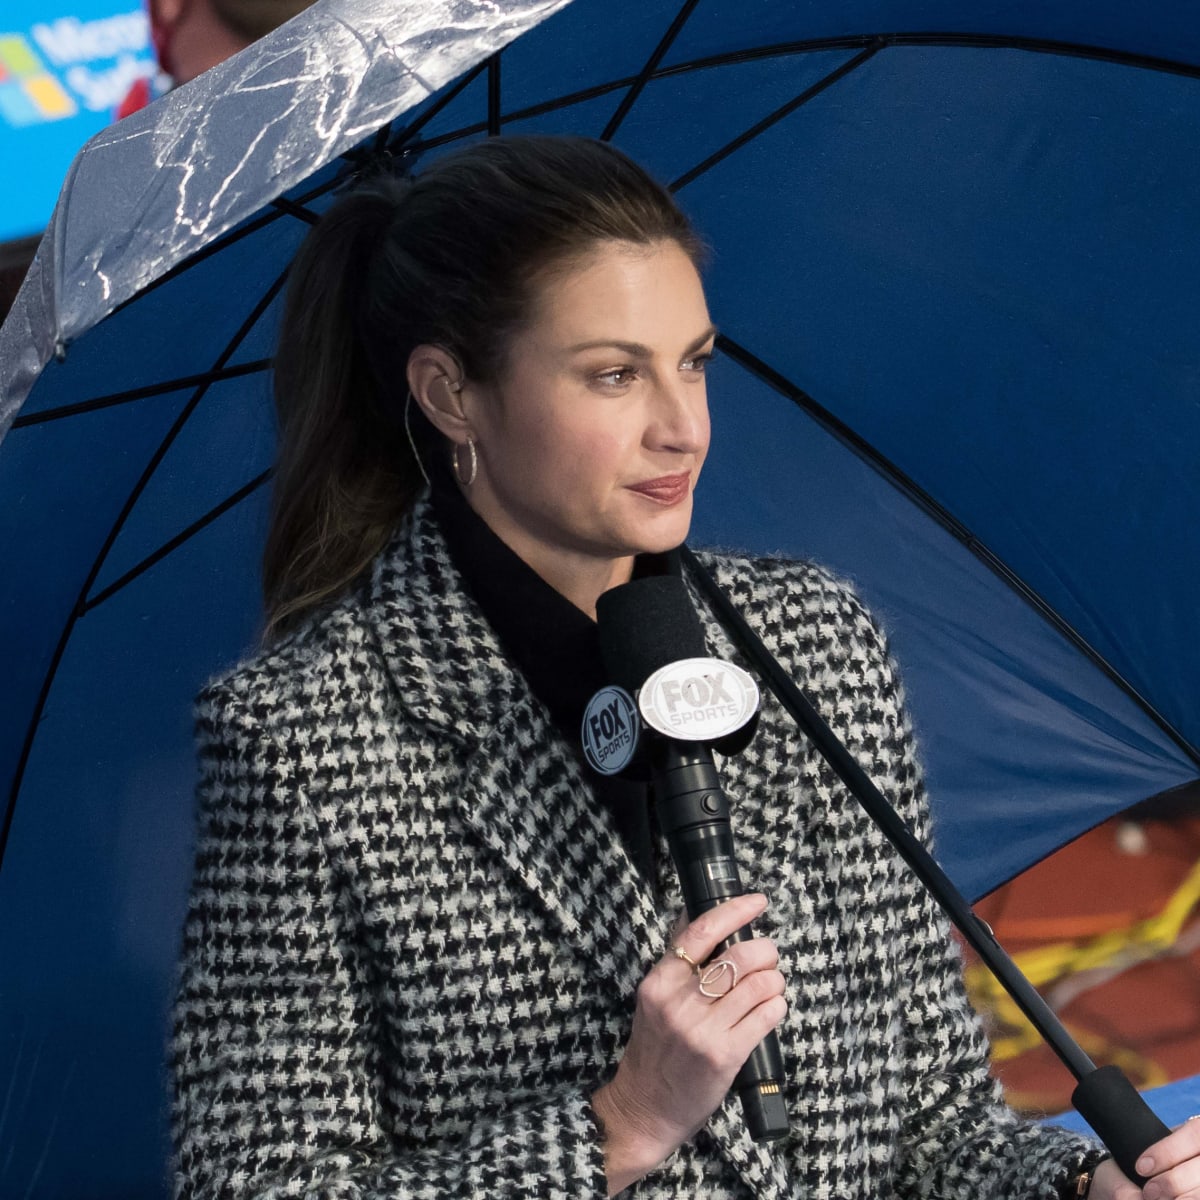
x=413, y=441
x=470, y=479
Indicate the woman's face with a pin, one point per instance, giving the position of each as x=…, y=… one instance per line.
x=591, y=442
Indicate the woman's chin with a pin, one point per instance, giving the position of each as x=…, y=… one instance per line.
x=657, y=537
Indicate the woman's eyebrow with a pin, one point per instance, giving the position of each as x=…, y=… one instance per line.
x=639, y=349
x=707, y=335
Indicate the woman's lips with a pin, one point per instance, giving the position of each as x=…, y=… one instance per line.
x=667, y=489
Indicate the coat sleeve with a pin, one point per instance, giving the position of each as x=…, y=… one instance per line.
x=957, y=1138
x=276, y=1094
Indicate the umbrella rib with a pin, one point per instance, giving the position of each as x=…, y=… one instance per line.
x=493, y=97
x=849, y=42
x=79, y=607
x=647, y=72
x=383, y=135
x=904, y=483
x=281, y=207
x=180, y=384
x=354, y=157
x=543, y=107
x=984, y=41
x=284, y=205
x=773, y=118
x=178, y=540
x=980, y=41
x=223, y=243
x=410, y=131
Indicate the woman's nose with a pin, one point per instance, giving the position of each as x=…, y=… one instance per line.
x=680, y=418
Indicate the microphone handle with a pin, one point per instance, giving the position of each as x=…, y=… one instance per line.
x=693, y=813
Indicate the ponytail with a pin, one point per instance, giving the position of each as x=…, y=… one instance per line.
x=345, y=473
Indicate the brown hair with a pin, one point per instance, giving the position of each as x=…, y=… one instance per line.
x=453, y=258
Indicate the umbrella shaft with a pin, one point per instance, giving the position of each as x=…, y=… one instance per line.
x=976, y=931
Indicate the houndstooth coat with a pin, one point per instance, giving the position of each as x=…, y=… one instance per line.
x=414, y=939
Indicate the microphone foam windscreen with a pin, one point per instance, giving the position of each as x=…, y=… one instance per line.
x=644, y=625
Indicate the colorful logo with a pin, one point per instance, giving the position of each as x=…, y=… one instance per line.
x=29, y=93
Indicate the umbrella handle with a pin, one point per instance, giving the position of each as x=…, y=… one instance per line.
x=1104, y=1097
x=1114, y=1108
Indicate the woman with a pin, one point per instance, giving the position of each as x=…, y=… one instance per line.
x=428, y=952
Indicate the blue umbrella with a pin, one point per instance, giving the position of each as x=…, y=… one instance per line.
x=957, y=286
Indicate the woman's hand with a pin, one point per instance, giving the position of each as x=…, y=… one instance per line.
x=1171, y=1168
x=685, y=1048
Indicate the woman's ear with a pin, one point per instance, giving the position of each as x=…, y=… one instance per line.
x=435, y=379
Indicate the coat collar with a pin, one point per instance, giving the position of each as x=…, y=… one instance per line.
x=523, y=793
x=445, y=663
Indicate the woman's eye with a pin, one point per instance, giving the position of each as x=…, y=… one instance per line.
x=617, y=377
x=698, y=362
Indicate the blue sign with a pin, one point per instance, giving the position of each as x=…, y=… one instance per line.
x=65, y=65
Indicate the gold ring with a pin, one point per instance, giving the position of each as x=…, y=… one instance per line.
x=680, y=952
x=715, y=973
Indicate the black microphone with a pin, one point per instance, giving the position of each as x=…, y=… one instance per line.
x=653, y=648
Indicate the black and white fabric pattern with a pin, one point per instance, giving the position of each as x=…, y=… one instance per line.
x=414, y=940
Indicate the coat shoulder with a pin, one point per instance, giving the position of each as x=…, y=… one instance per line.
x=786, y=592
x=824, y=636
x=309, y=668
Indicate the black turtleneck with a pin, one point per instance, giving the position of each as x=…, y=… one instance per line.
x=552, y=643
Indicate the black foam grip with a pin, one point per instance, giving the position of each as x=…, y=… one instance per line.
x=1124, y=1122
x=647, y=624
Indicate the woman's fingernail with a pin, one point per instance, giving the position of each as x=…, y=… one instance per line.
x=1144, y=1166
x=1151, y=1191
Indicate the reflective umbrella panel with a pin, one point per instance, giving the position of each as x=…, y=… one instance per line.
x=956, y=279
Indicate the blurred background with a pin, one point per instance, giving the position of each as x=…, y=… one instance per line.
x=65, y=67
x=70, y=67
x=1108, y=930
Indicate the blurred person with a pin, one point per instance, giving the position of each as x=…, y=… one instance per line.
x=190, y=36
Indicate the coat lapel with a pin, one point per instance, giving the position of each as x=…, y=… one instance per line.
x=522, y=792
x=529, y=804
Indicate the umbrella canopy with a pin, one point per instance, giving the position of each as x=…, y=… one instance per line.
x=957, y=284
